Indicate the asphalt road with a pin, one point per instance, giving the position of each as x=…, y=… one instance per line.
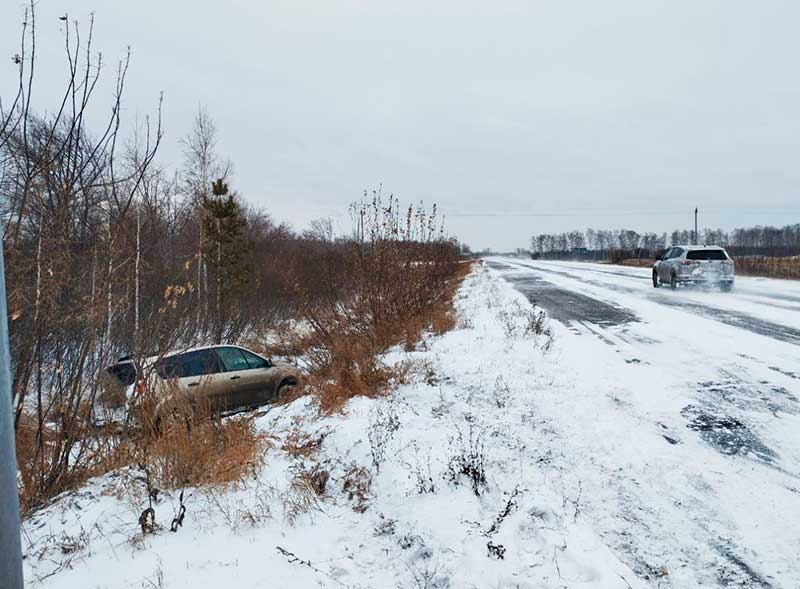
x=685, y=421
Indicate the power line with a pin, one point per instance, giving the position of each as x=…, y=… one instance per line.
x=613, y=213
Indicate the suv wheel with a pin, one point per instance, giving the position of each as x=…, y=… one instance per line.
x=673, y=281
x=656, y=282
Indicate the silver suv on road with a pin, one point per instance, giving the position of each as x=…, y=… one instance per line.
x=694, y=264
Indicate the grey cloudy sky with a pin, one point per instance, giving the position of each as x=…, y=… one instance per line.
x=514, y=117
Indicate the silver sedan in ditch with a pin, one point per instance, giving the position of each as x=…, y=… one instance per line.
x=694, y=264
x=228, y=378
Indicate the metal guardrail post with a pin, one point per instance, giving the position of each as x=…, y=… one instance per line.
x=10, y=547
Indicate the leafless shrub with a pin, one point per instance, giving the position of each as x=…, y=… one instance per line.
x=518, y=320
x=300, y=444
x=157, y=581
x=443, y=407
x=388, y=284
x=508, y=321
x=386, y=526
x=406, y=541
x=537, y=326
x=357, y=485
x=468, y=459
x=421, y=474
x=60, y=551
x=252, y=510
x=429, y=576
x=498, y=551
x=307, y=486
x=465, y=322
x=501, y=393
x=382, y=428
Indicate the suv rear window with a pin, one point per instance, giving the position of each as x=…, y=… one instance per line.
x=125, y=373
x=706, y=255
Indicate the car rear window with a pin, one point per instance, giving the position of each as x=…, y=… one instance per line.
x=125, y=374
x=706, y=255
x=187, y=365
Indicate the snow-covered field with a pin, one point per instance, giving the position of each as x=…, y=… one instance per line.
x=650, y=446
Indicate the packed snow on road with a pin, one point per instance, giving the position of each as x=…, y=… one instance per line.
x=632, y=438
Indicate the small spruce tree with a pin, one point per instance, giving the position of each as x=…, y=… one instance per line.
x=227, y=248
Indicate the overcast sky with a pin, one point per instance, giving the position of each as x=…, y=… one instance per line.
x=514, y=117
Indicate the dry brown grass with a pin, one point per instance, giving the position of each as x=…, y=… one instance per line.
x=349, y=365
x=299, y=444
x=354, y=371
x=192, y=446
x=39, y=449
x=202, y=451
x=307, y=488
x=638, y=263
x=189, y=449
x=787, y=268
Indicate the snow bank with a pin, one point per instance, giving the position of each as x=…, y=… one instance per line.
x=449, y=482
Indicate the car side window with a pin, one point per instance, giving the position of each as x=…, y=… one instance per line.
x=232, y=359
x=676, y=253
x=667, y=254
x=198, y=363
x=255, y=361
x=168, y=368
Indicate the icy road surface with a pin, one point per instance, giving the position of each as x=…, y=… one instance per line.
x=682, y=423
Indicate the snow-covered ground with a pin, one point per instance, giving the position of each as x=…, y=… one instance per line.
x=652, y=445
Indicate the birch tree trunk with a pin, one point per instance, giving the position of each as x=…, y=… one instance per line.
x=136, y=275
x=109, y=279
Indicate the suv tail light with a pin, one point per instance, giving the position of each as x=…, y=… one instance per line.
x=140, y=388
x=689, y=262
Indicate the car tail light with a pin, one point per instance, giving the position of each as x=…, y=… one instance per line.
x=140, y=388
x=689, y=262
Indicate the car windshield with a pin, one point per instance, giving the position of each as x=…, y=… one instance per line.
x=706, y=255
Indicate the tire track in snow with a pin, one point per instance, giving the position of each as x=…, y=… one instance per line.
x=741, y=320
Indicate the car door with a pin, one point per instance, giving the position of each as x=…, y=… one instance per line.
x=672, y=262
x=201, y=380
x=258, y=381
x=663, y=266
x=237, y=376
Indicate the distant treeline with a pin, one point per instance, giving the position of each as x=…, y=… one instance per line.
x=596, y=244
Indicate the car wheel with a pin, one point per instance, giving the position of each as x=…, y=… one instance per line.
x=656, y=282
x=673, y=282
x=284, y=389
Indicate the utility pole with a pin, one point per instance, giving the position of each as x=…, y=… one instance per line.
x=10, y=547
x=695, y=226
